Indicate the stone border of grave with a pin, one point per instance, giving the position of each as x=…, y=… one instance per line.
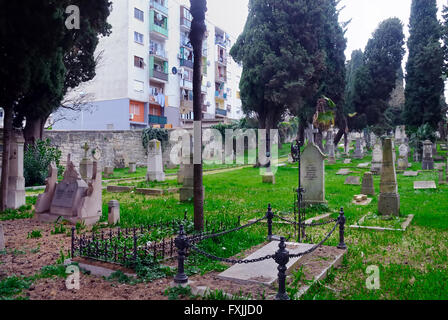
x=99, y=271
x=156, y=191
x=119, y=189
x=404, y=225
x=309, y=221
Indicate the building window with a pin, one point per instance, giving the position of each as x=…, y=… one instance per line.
x=138, y=37
x=138, y=14
x=138, y=86
x=139, y=62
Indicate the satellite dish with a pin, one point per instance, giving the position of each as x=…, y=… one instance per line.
x=174, y=70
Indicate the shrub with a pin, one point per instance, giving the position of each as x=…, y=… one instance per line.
x=155, y=133
x=36, y=160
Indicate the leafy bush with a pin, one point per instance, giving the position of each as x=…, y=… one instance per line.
x=36, y=160
x=155, y=133
x=422, y=133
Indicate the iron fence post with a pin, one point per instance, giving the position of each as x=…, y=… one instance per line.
x=135, y=246
x=341, y=221
x=281, y=257
x=269, y=216
x=181, y=243
x=72, y=252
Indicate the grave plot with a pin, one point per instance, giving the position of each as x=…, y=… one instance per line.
x=373, y=221
x=147, y=187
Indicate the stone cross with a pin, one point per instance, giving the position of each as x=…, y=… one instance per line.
x=86, y=148
x=310, y=131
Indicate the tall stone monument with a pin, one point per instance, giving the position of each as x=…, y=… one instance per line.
x=73, y=198
x=312, y=175
x=428, y=160
x=155, y=163
x=389, y=199
x=16, y=181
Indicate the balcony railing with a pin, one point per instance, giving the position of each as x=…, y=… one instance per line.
x=157, y=120
x=158, y=29
x=158, y=74
x=159, y=7
x=187, y=84
x=221, y=42
x=185, y=23
x=186, y=63
x=159, y=53
x=221, y=112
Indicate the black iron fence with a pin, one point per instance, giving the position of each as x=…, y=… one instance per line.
x=281, y=257
x=148, y=243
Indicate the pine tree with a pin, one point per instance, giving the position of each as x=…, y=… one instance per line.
x=424, y=82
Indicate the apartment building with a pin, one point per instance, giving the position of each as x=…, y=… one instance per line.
x=145, y=74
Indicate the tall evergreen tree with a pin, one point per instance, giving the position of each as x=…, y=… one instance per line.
x=376, y=79
x=424, y=82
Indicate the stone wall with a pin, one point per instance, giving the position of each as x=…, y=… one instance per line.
x=113, y=146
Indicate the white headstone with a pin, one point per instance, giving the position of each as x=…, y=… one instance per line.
x=155, y=163
x=313, y=175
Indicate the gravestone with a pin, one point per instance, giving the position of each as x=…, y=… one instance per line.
x=309, y=132
x=410, y=174
x=403, y=157
x=389, y=199
x=114, y=212
x=187, y=191
x=367, y=184
x=132, y=167
x=312, y=175
x=442, y=176
x=2, y=238
x=398, y=134
x=73, y=198
x=43, y=202
x=359, y=150
x=108, y=171
x=347, y=161
x=180, y=174
x=377, y=159
x=330, y=147
x=86, y=165
x=423, y=185
x=428, y=161
x=363, y=165
x=361, y=200
x=343, y=172
x=352, y=180
x=155, y=163
x=16, y=181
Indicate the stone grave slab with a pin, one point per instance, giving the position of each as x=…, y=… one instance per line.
x=343, y=172
x=347, y=161
x=410, y=173
x=423, y=185
x=363, y=165
x=403, y=228
x=361, y=200
x=439, y=166
x=356, y=181
x=264, y=272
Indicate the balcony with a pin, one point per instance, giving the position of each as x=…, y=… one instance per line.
x=157, y=120
x=159, y=7
x=159, y=53
x=186, y=63
x=158, y=75
x=158, y=29
x=220, y=42
x=185, y=23
x=186, y=84
x=221, y=112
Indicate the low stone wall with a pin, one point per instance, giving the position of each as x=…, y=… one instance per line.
x=113, y=146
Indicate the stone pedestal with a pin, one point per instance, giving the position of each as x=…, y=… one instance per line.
x=132, y=167
x=16, y=181
x=155, y=163
x=268, y=177
x=114, y=212
x=180, y=174
x=367, y=184
x=389, y=199
x=86, y=169
x=428, y=160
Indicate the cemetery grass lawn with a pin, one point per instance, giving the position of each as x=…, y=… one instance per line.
x=412, y=264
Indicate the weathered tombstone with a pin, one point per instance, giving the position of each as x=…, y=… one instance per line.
x=132, y=167
x=428, y=161
x=441, y=176
x=16, y=181
x=410, y=174
x=343, y=172
x=2, y=238
x=359, y=151
x=74, y=199
x=180, y=174
x=403, y=157
x=377, y=159
x=86, y=165
x=363, y=165
x=330, y=147
x=389, y=199
x=155, y=164
x=309, y=132
x=312, y=175
x=43, y=201
x=114, y=212
x=367, y=184
x=422, y=185
x=347, y=161
x=398, y=134
x=108, y=171
x=187, y=191
x=353, y=180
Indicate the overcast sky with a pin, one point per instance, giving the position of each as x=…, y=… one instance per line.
x=231, y=15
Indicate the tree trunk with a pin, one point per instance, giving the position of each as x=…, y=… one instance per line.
x=318, y=140
x=198, y=28
x=7, y=132
x=338, y=136
x=33, y=131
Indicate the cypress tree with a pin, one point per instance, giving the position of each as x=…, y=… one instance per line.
x=424, y=82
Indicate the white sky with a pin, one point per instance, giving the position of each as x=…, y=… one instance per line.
x=366, y=15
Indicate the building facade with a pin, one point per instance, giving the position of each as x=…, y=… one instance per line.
x=145, y=72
